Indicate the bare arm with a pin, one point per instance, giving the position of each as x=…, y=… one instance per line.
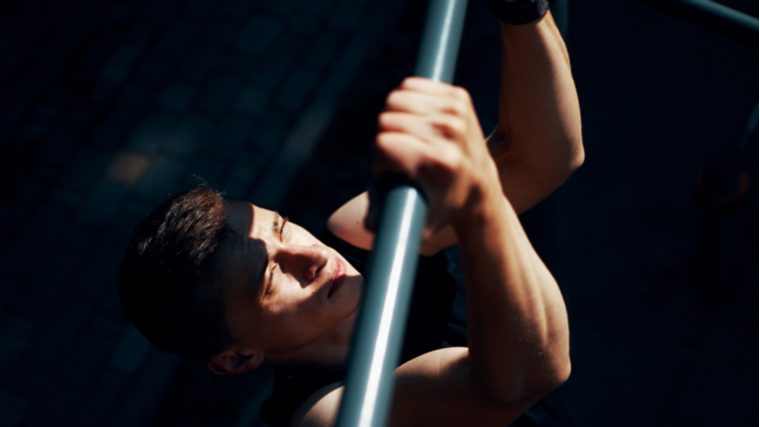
x=537, y=144
x=517, y=324
x=538, y=141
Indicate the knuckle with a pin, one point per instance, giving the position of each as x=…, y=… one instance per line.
x=407, y=82
x=452, y=127
x=456, y=125
x=458, y=107
x=383, y=120
x=382, y=140
x=396, y=100
x=460, y=93
x=390, y=98
x=450, y=159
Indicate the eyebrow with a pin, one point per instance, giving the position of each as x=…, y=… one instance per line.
x=260, y=276
x=275, y=221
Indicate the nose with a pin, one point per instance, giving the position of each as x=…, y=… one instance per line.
x=303, y=261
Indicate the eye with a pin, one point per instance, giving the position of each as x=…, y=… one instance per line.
x=270, y=280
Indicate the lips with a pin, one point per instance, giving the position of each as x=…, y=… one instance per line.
x=339, y=275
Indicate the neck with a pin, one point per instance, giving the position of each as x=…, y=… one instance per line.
x=328, y=351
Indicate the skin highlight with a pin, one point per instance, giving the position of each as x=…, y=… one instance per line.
x=290, y=299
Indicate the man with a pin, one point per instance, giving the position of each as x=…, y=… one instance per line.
x=237, y=285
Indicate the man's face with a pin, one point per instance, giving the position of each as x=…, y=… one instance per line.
x=284, y=287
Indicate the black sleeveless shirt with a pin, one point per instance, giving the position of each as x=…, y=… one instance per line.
x=436, y=320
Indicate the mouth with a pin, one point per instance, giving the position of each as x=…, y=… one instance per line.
x=338, y=277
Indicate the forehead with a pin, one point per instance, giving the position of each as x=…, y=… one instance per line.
x=248, y=220
x=245, y=265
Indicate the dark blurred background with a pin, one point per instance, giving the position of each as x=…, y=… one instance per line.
x=107, y=107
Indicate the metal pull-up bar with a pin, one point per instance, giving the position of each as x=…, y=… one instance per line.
x=385, y=306
x=712, y=16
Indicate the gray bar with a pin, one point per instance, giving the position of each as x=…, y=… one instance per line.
x=385, y=308
x=385, y=304
x=437, y=58
x=712, y=16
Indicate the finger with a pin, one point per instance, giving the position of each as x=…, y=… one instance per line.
x=430, y=165
x=418, y=102
x=400, y=152
x=432, y=87
x=437, y=89
x=434, y=128
x=405, y=101
x=422, y=102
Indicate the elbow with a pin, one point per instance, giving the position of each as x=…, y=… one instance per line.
x=557, y=368
x=575, y=157
x=535, y=386
x=571, y=161
x=561, y=374
x=556, y=375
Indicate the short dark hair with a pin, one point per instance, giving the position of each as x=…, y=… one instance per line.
x=169, y=283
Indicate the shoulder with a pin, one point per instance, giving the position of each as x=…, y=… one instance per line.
x=321, y=408
x=291, y=391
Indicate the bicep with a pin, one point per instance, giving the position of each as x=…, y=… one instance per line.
x=321, y=408
x=438, y=389
x=435, y=389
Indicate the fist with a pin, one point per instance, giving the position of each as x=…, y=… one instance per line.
x=429, y=132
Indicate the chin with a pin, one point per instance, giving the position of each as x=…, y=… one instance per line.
x=353, y=294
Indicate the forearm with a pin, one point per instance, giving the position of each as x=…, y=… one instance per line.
x=517, y=322
x=538, y=141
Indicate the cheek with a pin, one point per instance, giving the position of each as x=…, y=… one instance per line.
x=242, y=319
x=293, y=311
x=293, y=328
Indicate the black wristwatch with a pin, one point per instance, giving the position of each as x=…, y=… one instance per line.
x=518, y=12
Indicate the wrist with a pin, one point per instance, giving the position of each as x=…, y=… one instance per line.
x=485, y=206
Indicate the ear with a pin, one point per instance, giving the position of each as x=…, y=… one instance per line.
x=233, y=362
